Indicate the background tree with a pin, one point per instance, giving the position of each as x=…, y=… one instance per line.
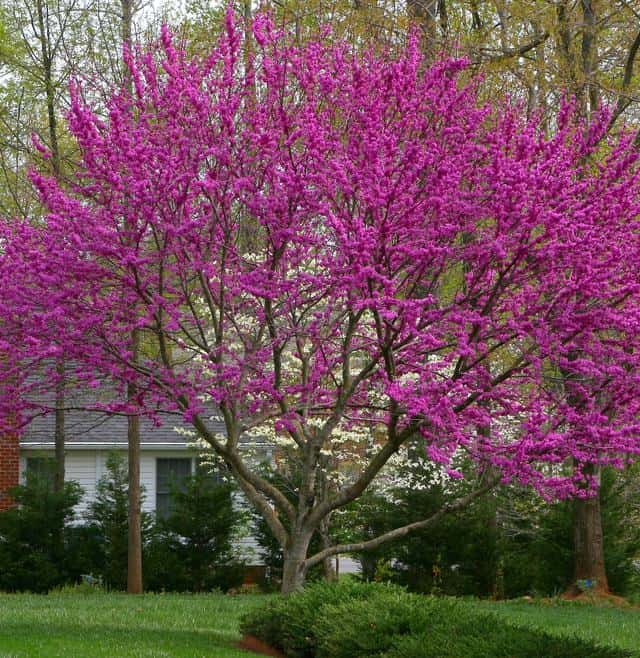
x=193, y=547
x=38, y=551
x=108, y=517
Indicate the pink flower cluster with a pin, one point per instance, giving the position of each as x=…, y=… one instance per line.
x=347, y=237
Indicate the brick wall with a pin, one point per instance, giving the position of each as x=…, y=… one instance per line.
x=9, y=467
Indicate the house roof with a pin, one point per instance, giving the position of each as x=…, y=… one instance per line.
x=93, y=429
x=86, y=429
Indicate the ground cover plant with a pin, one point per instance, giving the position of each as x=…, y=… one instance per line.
x=106, y=625
x=71, y=623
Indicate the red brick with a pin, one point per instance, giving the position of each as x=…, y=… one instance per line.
x=9, y=467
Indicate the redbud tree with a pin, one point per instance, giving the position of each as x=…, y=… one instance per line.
x=326, y=242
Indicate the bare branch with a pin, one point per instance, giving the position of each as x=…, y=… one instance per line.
x=398, y=533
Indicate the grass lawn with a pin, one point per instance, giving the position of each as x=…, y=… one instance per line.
x=608, y=626
x=116, y=625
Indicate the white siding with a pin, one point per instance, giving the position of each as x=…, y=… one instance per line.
x=87, y=466
x=148, y=481
x=81, y=467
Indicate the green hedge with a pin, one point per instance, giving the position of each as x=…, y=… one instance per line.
x=370, y=620
x=289, y=624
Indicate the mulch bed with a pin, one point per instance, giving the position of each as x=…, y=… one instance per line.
x=251, y=643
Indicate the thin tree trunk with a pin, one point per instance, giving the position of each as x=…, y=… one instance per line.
x=423, y=14
x=59, y=431
x=330, y=574
x=134, y=559
x=588, y=538
x=49, y=90
x=134, y=551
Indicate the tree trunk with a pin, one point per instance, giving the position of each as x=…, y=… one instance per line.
x=59, y=433
x=589, y=566
x=134, y=559
x=47, y=55
x=589, y=562
x=423, y=14
x=330, y=573
x=134, y=552
x=294, y=571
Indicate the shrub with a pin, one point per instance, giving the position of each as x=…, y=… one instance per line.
x=192, y=549
x=508, y=544
x=108, y=523
x=358, y=620
x=37, y=551
x=290, y=623
x=494, y=639
x=376, y=622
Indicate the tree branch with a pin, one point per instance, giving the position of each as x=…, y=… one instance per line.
x=506, y=53
x=398, y=533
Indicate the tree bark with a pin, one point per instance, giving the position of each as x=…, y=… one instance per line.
x=294, y=570
x=330, y=573
x=47, y=55
x=134, y=559
x=423, y=14
x=588, y=538
x=589, y=563
x=59, y=431
x=134, y=549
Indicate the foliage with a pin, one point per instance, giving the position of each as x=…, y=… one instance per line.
x=108, y=520
x=536, y=547
x=38, y=549
x=385, y=621
x=289, y=623
x=192, y=549
x=457, y=555
x=483, y=637
x=510, y=543
x=291, y=238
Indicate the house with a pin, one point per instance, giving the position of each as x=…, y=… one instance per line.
x=166, y=455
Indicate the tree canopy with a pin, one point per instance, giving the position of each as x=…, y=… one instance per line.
x=318, y=240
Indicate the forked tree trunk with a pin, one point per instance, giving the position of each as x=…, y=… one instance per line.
x=294, y=572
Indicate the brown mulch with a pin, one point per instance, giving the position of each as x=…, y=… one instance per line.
x=251, y=643
x=597, y=598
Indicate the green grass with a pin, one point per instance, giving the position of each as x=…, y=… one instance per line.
x=73, y=625
x=118, y=626
x=608, y=626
